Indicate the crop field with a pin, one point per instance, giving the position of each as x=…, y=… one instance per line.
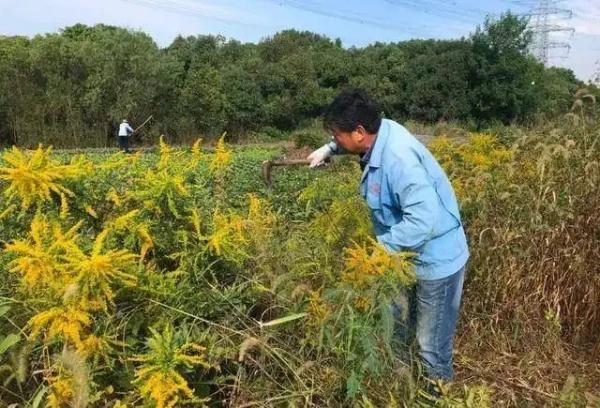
x=175, y=278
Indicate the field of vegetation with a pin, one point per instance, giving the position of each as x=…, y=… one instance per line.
x=175, y=278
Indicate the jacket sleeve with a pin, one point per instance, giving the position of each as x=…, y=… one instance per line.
x=129, y=128
x=417, y=199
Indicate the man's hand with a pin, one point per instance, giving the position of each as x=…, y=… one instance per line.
x=319, y=156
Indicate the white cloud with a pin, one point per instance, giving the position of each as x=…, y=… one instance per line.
x=585, y=50
x=586, y=16
x=585, y=45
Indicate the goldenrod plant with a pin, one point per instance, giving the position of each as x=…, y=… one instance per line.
x=221, y=158
x=219, y=166
x=170, y=281
x=68, y=381
x=33, y=178
x=473, y=165
x=96, y=272
x=159, y=376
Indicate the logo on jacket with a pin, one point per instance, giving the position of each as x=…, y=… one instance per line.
x=375, y=188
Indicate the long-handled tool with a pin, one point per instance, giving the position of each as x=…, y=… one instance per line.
x=135, y=131
x=267, y=168
x=142, y=125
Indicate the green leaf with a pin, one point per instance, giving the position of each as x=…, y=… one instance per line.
x=352, y=385
x=470, y=399
x=3, y=310
x=8, y=342
x=37, y=399
x=386, y=321
x=282, y=320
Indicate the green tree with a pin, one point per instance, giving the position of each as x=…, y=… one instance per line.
x=201, y=101
x=435, y=82
x=502, y=74
x=73, y=87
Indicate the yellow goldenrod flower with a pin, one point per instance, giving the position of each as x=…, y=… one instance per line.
x=67, y=322
x=34, y=179
x=221, y=157
x=158, y=378
x=94, y=273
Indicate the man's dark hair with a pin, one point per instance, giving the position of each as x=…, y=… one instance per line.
x=352, y=108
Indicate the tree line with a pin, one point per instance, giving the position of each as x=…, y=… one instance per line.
x=73, y=87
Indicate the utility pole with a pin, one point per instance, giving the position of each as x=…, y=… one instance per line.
x=548, y=17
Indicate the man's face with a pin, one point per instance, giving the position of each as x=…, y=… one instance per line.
x=352, y=142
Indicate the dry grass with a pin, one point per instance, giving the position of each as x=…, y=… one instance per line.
x=531, y=323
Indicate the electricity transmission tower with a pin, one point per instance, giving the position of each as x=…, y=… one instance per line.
x=548, y=17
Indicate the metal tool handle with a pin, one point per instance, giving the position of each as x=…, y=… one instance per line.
x=268, y=165
x=295, y=162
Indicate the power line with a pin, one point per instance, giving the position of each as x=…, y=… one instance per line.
x=351, y=17
x=437, y=8
x=182, y=8
x=450, y=7
x=464, y=15
x=186, y=10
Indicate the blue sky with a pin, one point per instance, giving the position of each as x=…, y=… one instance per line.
x=356, y=22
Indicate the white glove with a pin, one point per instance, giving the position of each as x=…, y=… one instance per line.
x=319, y=156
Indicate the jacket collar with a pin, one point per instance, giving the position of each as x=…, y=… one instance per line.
x=378, y=147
